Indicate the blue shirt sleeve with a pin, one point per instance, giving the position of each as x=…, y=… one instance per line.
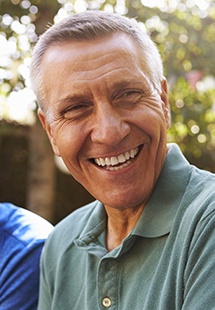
x=22, y=236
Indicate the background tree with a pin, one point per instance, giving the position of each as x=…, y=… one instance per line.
x=21, y=24
x=184, y=31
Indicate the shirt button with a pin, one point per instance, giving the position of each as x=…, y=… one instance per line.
x=106, y=302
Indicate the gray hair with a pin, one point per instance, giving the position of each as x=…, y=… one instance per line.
x=90, y=25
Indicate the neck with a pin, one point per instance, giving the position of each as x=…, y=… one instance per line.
x=119, y=225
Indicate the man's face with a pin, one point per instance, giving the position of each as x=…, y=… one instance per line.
x=105, y=119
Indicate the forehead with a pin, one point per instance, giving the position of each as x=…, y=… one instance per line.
x=113, y=58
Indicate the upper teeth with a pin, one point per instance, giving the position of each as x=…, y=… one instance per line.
x=115, y=160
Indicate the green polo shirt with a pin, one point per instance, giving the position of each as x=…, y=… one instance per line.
x=167, y=262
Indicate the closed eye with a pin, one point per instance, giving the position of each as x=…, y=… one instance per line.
x=129, y=97
x=131, y=93
x=76, y=110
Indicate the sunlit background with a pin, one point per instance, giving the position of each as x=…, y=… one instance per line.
x=17, y=102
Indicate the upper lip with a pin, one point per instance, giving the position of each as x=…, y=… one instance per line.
x=115, y=160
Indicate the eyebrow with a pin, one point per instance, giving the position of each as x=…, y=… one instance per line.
x=69, y=99
x=115, y=87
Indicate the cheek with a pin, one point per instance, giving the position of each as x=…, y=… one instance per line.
x=64, y=138
x=70, y=139
x=151, y=121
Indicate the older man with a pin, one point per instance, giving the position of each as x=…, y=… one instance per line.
x=148, y=240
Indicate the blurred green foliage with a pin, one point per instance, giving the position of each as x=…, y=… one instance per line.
x=184, y=31
x=193, y=127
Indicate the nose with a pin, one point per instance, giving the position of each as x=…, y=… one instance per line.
x=109, y=126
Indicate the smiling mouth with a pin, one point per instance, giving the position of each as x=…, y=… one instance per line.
x=115, y=163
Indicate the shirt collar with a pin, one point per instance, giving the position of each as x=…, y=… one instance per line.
x=159, y=213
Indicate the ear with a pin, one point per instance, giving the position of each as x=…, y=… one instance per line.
x=165, y=100
x=48, y=129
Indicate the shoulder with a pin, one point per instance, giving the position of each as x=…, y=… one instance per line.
x=22, y=237
x=197, y=209
x=23, y=226
x=201, y=189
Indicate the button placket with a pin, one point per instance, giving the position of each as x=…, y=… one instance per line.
x=108, y=283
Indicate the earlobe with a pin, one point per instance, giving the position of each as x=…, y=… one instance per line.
x=47, y=127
